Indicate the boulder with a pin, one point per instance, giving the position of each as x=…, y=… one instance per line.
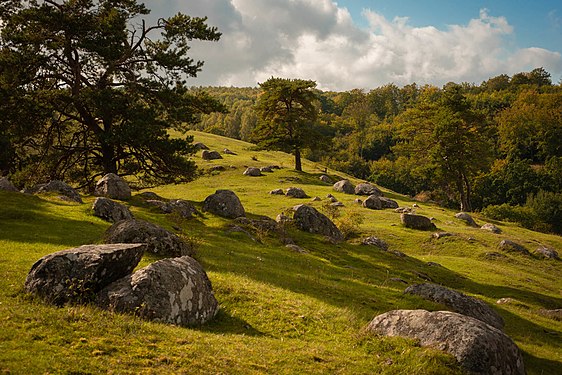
x=7, y=185
x=62, y=188
x=173, y=290
x=417, y=222
x=337, y=204
x=228, y=152
x=217, y=168
x=75, y=275
x=113, y=186
x=252, y=172
x=210, y=155
x=180, y=207
x=344, y=186
x=373, y=202
x=510, y=246
x=326, y=179
x=282, y=218
x=438, y=235
x=547, y=252
x=457, y=302
x=277, y=192
x=403, y=210
x=491, y=228
x=367, y=189
x=266, y=169
x=387, y=202
x=200, y=146
x=308, y=219
x=110, y=210
x=316, y=199
x=149, y=195
x=295, y=192
x=374, y=241
x=466, y=218
x=224, y=203
x=157, y=239
x=478, y=347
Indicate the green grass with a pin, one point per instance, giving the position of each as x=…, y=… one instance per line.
x=281, y=312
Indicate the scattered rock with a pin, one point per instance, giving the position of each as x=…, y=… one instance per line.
x=438, y=235
x=510, y=246
x=415, y=205
x=200, y=146
x=316, y=199
x=295, y=192
x=210, y=155
x=555, y=314
x=417, y=222
x=373, y=202
x=228, y=152
x=547, y=252
x=388, y=203
x=113, y=186
x=266, y=169
x=332, y=198
x=252, y=172
x=110, y=210
x=173, y=290
x=507, y=301
x=367, y=189
x=326, y=179
x=374, y=241
x=491, y=228
x=217, y=168
x=60, y=187
x=403, y=210
x=308, y=219
x=358, y=201
x=180, y=207
x=478, y=347
x=75, y=275
x=466, y=218
x=344, y=186
x=296, y=248
x=224, y=203
x=423, y=276
x=277, y=192
x=149, y=195
x=457, y=302
x=281, y=218
x=337, y=204
x=157, y=239
x=7, y=185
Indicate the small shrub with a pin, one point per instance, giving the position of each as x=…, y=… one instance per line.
x=349, y=224
x=547, y=208
x=333, y=212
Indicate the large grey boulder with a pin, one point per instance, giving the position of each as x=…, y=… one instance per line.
x=466, y=218
x=457, y=302
x=308, y=219
x=77, y=274
x=173, y=290
x=210, y=155
x=182, y=208
x=110, y=210
x=417, y=222
x=113, y=186
x=373, y=202
x=7, y=185
x=510, y=246
x=388, y=203
x=224, y=203
x=295, y=192
x=157, y=239
x=367, y=189
x=252, y=172
x=60, y=187
x=478, y=347
x=344, y=186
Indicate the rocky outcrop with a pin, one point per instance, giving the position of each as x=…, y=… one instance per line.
x=308, y=219
x=157, y=239
x=478, y=347
x=457, y=302
x=180, y=207
x=175, y=291
x=295, y=192
x=466, y=218
x=417, y=222
x=367, y=189
x=344, y=186
x=113, y=186
x=110, y=210
x=252, y=172
x=7, y=185
x=491, y=228
x=75, y=275
x=510, y=246
x=210, y=155
x=67, y=192
x=224, y=203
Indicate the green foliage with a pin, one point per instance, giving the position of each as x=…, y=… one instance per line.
x=547, y=207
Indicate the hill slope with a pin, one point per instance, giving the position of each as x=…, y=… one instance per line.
x=281, y=311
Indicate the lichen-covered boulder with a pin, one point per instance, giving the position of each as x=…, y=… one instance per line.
x=295, y=192
x=417, y=222
x=308, y=219
x=457, y=302
x=491, y=228
x=478, y=347
x=110, y=210
x=510, y=246
x=367, y=189
x=180, y=207
x=7, y=185
x=252, y=172
x=157, y=239
x=373, y=202
x=60, y=187
x=210, y=155
x=374, y=241
x=75, y=275
x=224, y=203
x=466, y=218
x=113, y=186
x=344, y=186
x=174, y=290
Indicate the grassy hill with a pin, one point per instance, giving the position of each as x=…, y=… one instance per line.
x=281, y=311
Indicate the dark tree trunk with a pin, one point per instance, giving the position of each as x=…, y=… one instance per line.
x=298, y=165
x=108, y=159
x=464, y=203
x=468, y=193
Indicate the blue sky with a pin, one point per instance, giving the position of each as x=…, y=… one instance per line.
x=348, y=44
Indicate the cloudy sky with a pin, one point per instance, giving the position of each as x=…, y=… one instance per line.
x=349, y=44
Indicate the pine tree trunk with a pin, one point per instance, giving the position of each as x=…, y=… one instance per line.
x=108, y=159
x=298, y=165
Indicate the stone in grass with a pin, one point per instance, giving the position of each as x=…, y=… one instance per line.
x=110, y=210
x=510, y=246
x=75, y=275
x=418, y=222
x=295, y=192
x=367, y=189
x=326, y=179
x=478, y=347
x=277, y=192
x=466, y=218
x=547, y=253
x=174, y=290
x=252, y=172
x=308, y=219
x=344, y=186
x=113, y=186
x=67, y=192
x=210, y=155
x=182, y=208
x=457, y=302
x=157, y=239
x=7, y=185
x=491, y=228
x=224, y=203
x=267, y=169
x=374, y=241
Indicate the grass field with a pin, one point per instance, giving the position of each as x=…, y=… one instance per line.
x=282, y=312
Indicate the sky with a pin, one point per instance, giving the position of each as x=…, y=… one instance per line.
x=347, y=44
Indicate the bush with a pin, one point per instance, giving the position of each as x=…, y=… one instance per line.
x=547, y=207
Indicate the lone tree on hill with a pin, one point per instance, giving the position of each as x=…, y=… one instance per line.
x=109, y=87
x=288, y=115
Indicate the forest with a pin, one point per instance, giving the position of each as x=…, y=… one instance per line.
x=493, y=147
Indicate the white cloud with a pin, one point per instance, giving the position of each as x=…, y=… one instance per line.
x=316, y=39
